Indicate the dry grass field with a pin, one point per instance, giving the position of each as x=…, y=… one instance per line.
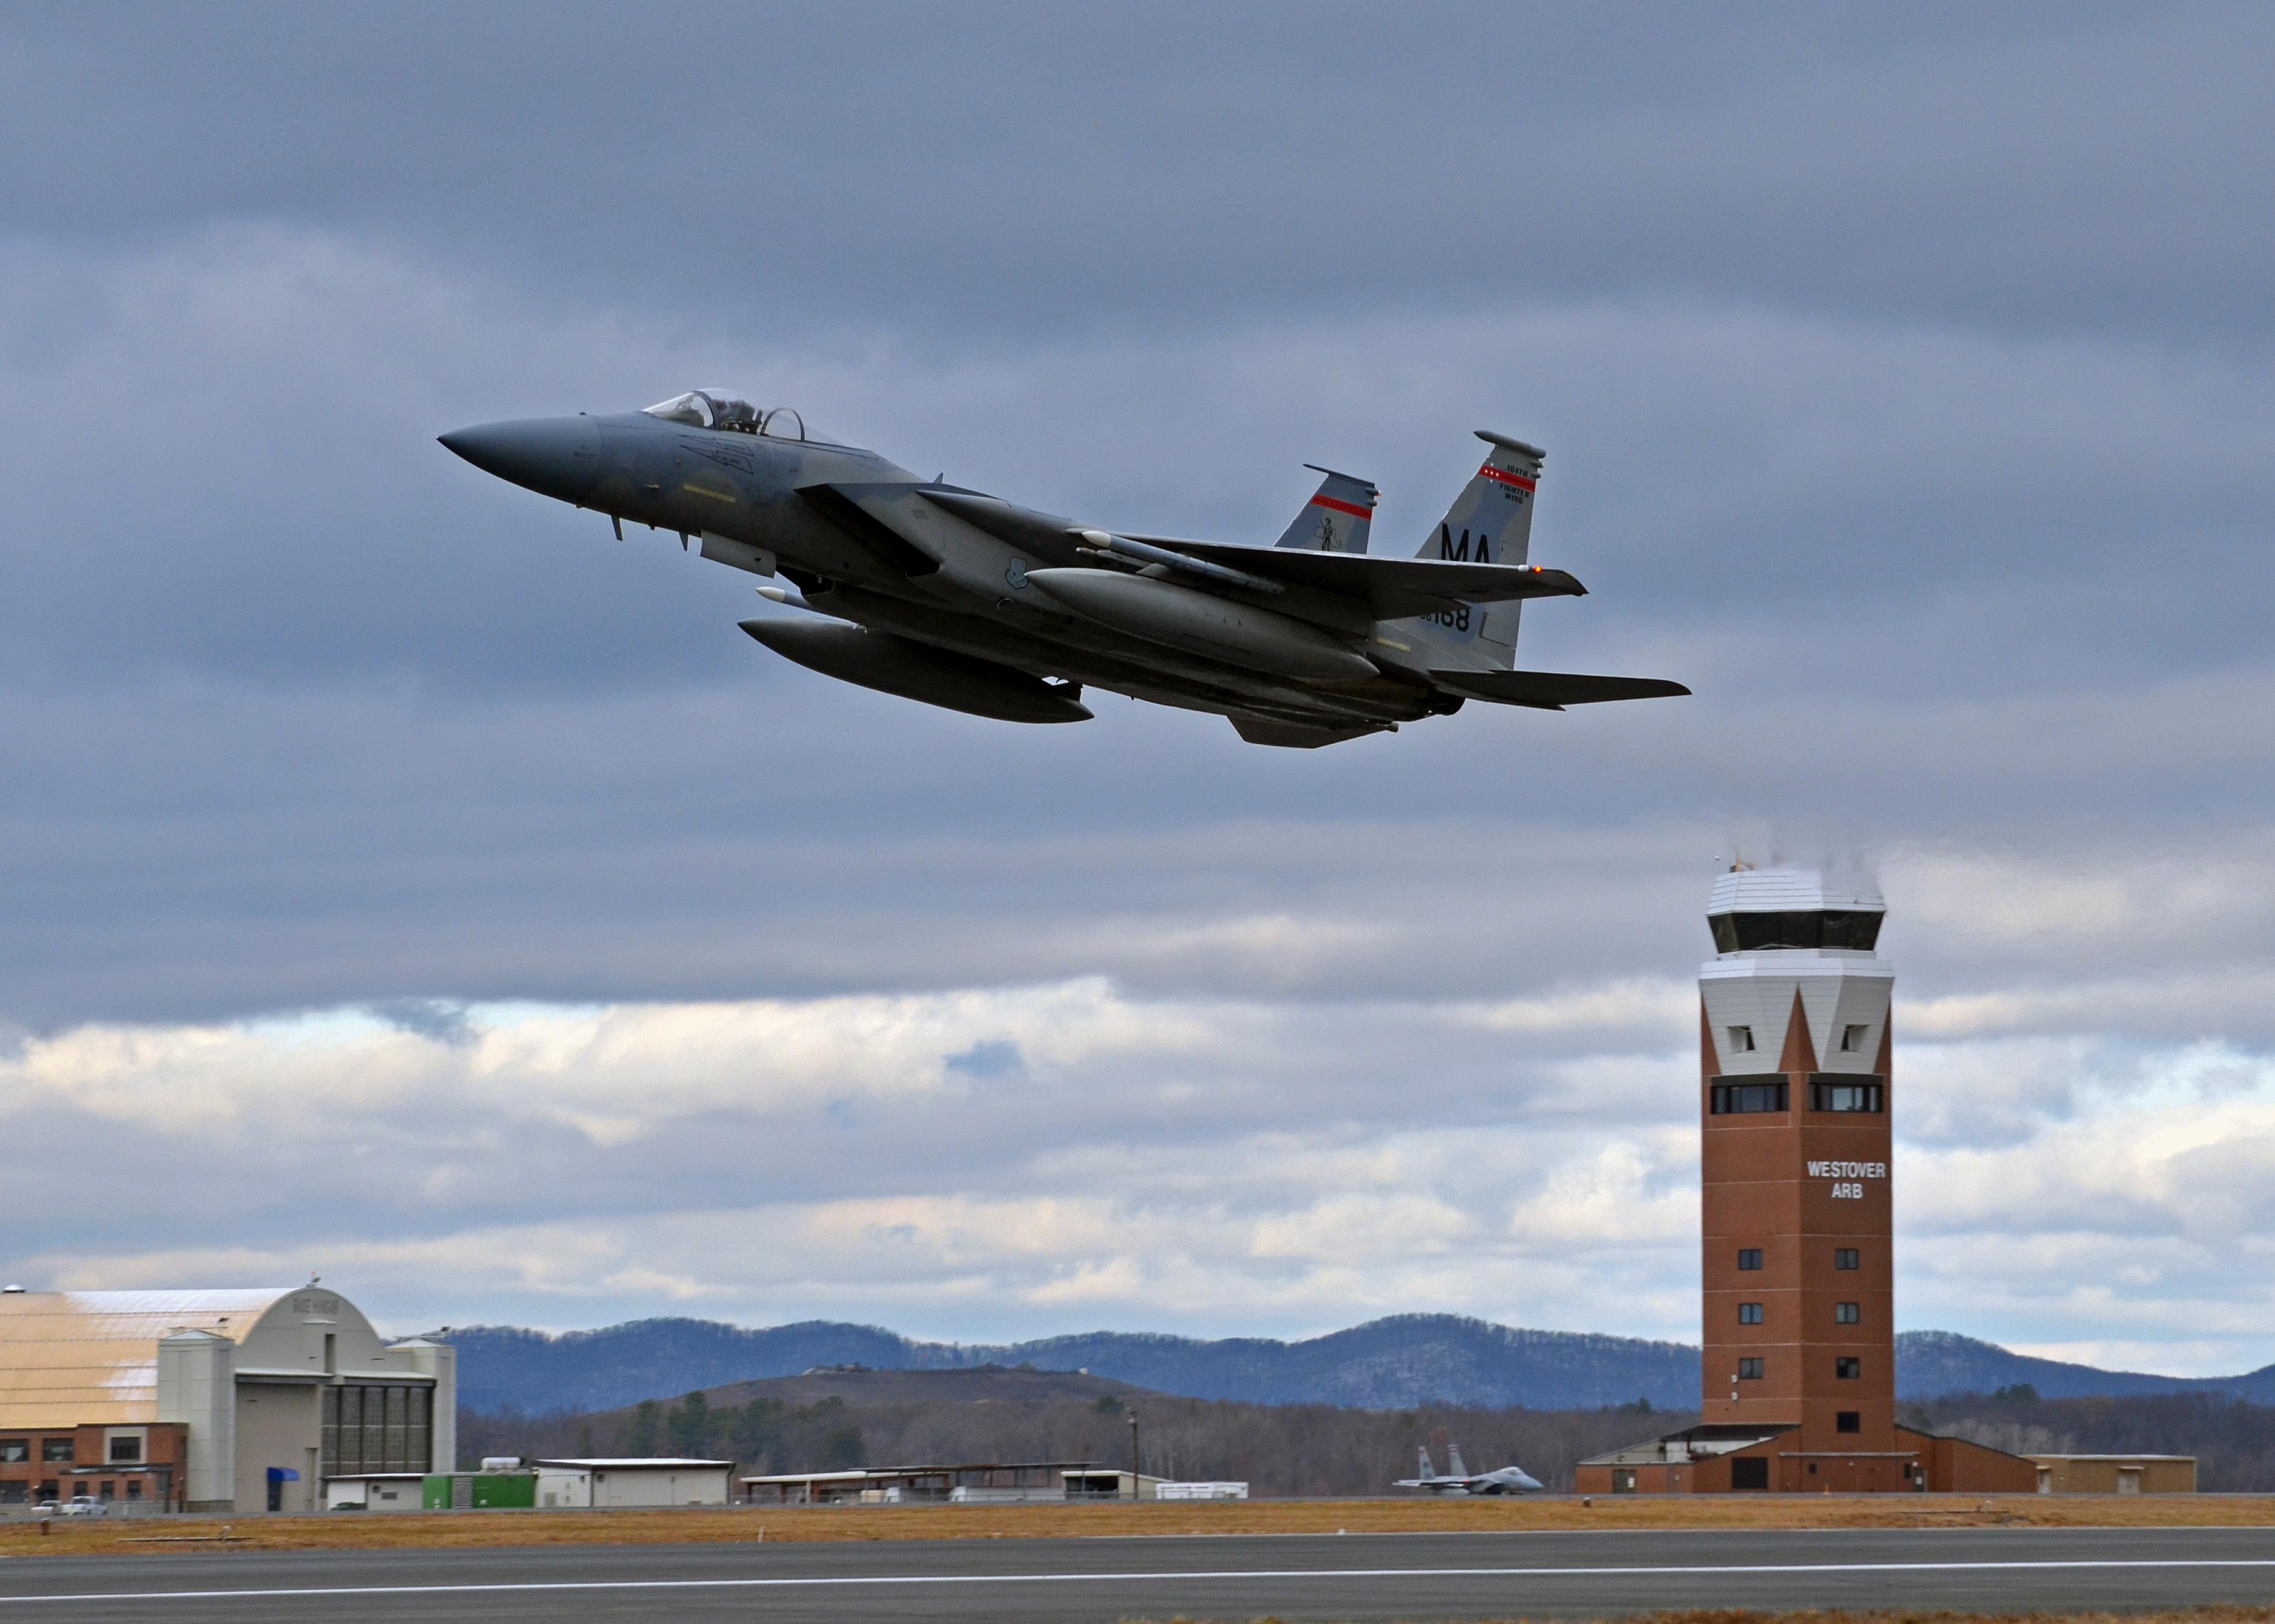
x=363, y=1530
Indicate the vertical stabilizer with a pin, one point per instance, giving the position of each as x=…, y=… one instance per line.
x=1429, y=1468
x=1454, y=1466
x=1490, y=522
x=1337, y=520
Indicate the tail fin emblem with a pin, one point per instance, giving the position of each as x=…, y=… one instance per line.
x=1447, y=547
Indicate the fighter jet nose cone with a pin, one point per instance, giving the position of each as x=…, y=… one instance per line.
x=480, y=446
x=555, y=457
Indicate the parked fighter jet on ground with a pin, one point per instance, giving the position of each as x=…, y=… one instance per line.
x=963, y=599
x=1461, y=1480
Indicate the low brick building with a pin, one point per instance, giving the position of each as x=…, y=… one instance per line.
x=1720, y=1459
x=124, y=1466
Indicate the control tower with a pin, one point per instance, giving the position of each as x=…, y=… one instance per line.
x=1794, y=1097
x=1799, y=1362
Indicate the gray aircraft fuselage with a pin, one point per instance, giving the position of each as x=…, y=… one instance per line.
x=1294, y=647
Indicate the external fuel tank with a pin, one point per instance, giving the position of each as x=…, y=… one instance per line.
x=917, y=670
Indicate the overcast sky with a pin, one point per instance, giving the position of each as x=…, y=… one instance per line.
x=404, y=879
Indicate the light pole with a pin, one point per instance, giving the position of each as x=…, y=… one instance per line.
x=1134, y=1458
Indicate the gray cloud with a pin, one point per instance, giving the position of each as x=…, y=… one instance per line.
x=772, y=166
x=439, y=1020
x=1905, y=385
x=988, y=1058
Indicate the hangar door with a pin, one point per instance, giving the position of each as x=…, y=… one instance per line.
x=1750, y=1472
x=378, y=1427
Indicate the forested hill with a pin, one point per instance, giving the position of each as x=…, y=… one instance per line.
x=1931, y=1364
x=1386, y=1364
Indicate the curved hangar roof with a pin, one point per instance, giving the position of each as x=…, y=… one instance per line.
x=71, y=1357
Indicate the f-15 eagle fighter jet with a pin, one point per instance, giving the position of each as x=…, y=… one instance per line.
x=959, y=599
x=1462, y=1480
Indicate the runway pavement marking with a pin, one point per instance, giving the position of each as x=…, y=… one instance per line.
x=787, y=1582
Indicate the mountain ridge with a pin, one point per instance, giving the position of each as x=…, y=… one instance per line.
x=1388, y=1364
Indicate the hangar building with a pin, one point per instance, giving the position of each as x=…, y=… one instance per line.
x=1794, y=1094
x=219, y=1400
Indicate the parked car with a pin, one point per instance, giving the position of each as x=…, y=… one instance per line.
x=46, y=1509
x=86, y=1505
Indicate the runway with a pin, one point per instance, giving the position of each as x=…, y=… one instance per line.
x=1387, y=1576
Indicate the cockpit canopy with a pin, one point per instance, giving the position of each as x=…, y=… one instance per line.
x=716, y=409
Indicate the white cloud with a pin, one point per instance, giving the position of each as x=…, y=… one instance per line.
x=1213, y=1167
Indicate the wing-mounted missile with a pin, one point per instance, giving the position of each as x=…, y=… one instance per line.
x=914, y=670
x=1111, y=546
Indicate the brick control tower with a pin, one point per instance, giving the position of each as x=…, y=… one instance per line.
x=1799, y=1393
x=1794, y=1097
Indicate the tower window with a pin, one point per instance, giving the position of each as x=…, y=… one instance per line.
x=1741, y=1040
x=1844, y=1256
x=1750, y=1313
x=1767, y=933
x=1750, y=1256
x=1848, y=1421
x=1838, y=1093
x=1848, y=1369
x=1749, y=1370
x=1845, y=1314
x=1746, y=1096
x=1852, y=1039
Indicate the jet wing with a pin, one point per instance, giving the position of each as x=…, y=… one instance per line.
x=840, y=505
x=1392, y=588
x=1552, y=691
x=1044, y=534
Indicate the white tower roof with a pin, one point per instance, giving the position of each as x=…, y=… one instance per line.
x=1791, y=890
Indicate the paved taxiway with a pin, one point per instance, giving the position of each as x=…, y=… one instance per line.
x=1361, y=1577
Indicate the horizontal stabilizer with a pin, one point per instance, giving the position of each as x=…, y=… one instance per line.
x=1552, y=691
